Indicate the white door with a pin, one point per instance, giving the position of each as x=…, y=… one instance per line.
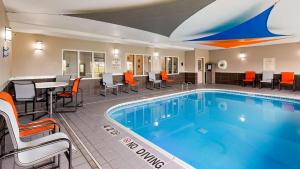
x=200, y=71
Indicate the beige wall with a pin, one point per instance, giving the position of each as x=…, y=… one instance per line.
x=28, y=62
x=191, y=58
x=190, y=61
x=5, y=63
x=287, y=58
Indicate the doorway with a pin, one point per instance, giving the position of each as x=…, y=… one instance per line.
x=200, y=70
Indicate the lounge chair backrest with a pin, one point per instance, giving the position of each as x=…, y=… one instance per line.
x=152, y=76
x=129, y=77
x=250, y=75
x=75, y=86
x=287, y=76
x=108, y=79
x=63, y=78
x=164, y=75
x=7, y=111
x=24, y=90
x=268, y=75
x=7, y=97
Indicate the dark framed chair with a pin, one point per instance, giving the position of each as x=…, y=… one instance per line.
x=153, y=81
x=267, y=78
x=249, y=78
x=287, y=79
x=71, y=94
x=25, y=92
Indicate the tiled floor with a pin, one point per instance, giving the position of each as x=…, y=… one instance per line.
x=98, y=149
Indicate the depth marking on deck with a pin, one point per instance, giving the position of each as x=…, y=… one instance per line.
x=143, y=153
x=111, y=130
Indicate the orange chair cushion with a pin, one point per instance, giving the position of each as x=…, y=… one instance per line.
x=42, y=125
x=65, y=94
x=164, y=75
x=129, y=79
x=249, y=76
x=287, y=77
x=38, y=123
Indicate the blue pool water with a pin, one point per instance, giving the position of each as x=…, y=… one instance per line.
x=220, y=130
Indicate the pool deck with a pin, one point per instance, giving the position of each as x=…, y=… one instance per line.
x=97, y=148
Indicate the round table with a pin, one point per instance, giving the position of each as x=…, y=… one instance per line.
x=50, y=86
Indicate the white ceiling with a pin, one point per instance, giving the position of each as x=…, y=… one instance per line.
x=45, y=17
x=74, y=6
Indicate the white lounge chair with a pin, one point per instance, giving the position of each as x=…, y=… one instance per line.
x=108, y=83
x=153, y=80
x=38, y=152
x=267, y=77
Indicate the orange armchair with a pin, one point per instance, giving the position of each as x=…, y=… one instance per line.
x=249, y=78
x=34, y=127
x=288, y=79
x=165, y=78
x=130, y=82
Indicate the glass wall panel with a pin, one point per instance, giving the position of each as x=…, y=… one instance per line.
x=130, y=63
x=70, y=63
x=86, y=64
x=147, y=64
x=99, y=64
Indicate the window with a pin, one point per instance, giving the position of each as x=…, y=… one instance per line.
x=99, y=64
x=147, y=64
x=83, y=64
x=169, y=64
x=70, y=63
x=86, y=64
x=139, y=64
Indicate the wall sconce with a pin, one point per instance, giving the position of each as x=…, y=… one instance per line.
x=8, y=34
x=242, y=56
x=38, y=45
x=116, y=52
x=155, y=54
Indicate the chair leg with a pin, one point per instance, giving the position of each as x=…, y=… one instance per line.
x=294, y=87
x=279, y=86
x=33, y=106
x=76, y=104
x=69, y=156
x=25, y=107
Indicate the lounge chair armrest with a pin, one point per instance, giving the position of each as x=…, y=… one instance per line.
x=14, y=152
x=32, y=113
x=38, y=126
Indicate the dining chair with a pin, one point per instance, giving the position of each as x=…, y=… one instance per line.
x=25, y=92
x=36, y=153
x=62, y=78
x=70, y=94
